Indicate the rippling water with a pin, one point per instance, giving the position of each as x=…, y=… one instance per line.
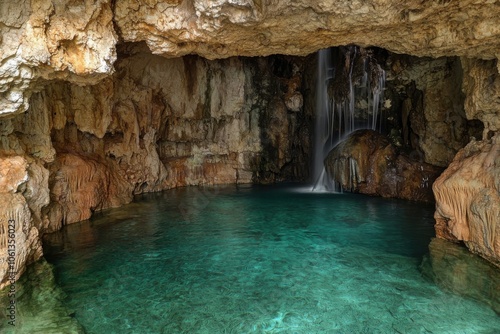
x=258, y=260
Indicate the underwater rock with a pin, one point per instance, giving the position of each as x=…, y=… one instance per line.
x=366, y=162
x=455, y=269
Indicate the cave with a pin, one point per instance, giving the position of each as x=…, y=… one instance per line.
x=336, y=179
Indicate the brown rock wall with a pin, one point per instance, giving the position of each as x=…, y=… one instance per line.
x=366, y=162
x=162, y=123
x=19, y=238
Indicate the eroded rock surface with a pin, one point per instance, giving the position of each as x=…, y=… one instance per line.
x=366, y=162
x=468, y=200
x=427, y=95
x=226, y=28
x=481, y=85
x=19, y=238
x=47, y=40
x=162, y=123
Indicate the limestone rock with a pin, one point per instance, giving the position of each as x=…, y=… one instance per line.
x=468, y=200
x=16, y=228
x=12, y=174
x=455, y=269
x=36, y=192
x=46, y=39
x=225, y=28
x=160, y=123
x=80, y=185
x=432, y=107
x=366, y=162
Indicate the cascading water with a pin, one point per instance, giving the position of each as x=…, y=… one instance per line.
x=349, y=93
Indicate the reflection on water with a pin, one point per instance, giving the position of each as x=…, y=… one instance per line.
x=257, y=260
x=455, y=269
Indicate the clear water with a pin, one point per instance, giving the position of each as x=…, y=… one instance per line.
x=258, y=260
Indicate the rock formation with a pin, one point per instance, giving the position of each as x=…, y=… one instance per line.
x=468, y=200
x=17, y=230
x=366, y=162
x=84, y=103
x=226, y=28
x=426, y=95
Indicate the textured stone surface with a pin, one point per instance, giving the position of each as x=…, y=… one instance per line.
x=366, y=162
x=427, y=96
x=468, y=200
x=80, y=185
x=161, y=123
x=74, y=40
x=157, y=124
x=16, y=225
x=226, y=28
x=481, y=86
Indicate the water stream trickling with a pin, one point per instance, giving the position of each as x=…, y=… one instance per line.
x=349, y=93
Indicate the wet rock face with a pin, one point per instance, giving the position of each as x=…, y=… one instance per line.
x=468, y=200
x=427, y=100
x=366, y=162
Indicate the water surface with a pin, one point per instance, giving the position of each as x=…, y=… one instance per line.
x=256, y=259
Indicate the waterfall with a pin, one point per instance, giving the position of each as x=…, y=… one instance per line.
x=324, y=126
x=349, y=92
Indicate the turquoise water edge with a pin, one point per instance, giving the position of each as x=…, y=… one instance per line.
x=245, y=259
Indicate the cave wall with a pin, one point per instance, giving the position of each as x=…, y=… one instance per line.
x=76, y=40
x=155, y=124
x=467, y=193
x=427, y=95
